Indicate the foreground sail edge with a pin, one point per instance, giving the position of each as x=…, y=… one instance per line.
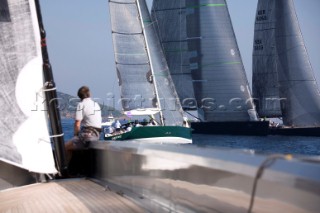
x=25, y=138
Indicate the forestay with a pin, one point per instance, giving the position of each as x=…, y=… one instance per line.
x=24, y=135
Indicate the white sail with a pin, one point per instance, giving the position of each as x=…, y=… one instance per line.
x=24, y=134
x=142, y=70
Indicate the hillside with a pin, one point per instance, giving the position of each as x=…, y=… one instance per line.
x=68, y=103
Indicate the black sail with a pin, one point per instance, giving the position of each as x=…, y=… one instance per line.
x=210, y=49
x=265, y=84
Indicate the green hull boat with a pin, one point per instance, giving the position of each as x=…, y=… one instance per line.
x=163, y=134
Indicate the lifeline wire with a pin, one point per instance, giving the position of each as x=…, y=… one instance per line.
x=265, y=164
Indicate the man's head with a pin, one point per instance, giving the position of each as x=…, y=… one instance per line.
x=83, y=92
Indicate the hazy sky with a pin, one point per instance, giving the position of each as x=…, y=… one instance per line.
x=81, y=51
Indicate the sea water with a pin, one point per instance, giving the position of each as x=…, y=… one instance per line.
x=253, y=144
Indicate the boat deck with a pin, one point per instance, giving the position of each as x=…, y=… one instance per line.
x=70, y=195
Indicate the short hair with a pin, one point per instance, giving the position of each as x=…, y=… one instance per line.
x=83, y=92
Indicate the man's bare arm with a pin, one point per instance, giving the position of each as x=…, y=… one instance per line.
x=76, y=127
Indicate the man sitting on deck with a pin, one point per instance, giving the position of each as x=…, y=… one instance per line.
x=87, y=125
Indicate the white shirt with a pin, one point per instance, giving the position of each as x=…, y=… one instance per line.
x=118, y=125
x=89, y=113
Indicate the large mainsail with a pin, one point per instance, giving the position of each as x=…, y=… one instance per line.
x=143, y=74
x=24, y=134
x=219, y=80
x=170, y=19
x=298, y=91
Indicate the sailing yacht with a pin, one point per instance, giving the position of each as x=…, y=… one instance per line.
x=123, y=177
x=284, y=84
x=203, y=56
x=145, y=83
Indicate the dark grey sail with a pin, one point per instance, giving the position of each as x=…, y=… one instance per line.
x=265, y=84
x=24, y=134
x=219, y=80
x=298, y=90
x=142, y=70
x=170, y=19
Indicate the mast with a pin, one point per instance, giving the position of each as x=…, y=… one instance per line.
x=51, y=100
x=150, y=59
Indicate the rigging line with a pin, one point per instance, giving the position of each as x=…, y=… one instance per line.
x=177, y=41
x=191, y=6
x=269, y=161
x=56, y=136
x=193, y=115
x=120, y=33
x=182, y=73
x=261, y=23
x=261, y=55
x=215, y=64
x=47, y=90
x=133, y=64
x=168, y=9
x=296, y=81
x=205, y=5
x=184, y=40
x=265, y=29
x=131, y=54
x=116, y=2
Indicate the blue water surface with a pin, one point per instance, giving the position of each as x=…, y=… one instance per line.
x=254, y=144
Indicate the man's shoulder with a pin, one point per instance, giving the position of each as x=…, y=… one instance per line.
x=80, y=106
x=89, y=101
x=92, y=104
x=96, y=105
